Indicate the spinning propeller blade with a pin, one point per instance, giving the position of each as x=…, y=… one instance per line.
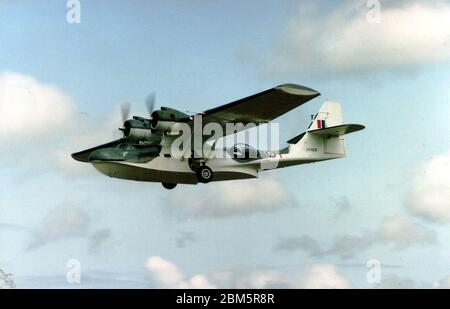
x=125, y=111
x=150, y=103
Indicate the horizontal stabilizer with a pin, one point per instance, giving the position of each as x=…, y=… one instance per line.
x=339, y=130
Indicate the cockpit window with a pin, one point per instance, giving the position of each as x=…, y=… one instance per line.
x=237, y=151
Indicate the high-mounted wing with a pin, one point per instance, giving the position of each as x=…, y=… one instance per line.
x=261, y=107
x=83, y=156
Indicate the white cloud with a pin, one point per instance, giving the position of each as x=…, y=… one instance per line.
x=402, y=232
x=443, y=283
x=343, y=41
x=167, y=275
x=233, y=198
x=324, y=276
x=244, y=278
x=317, y=276
x=88, y=132
x=429, y=197
x=30, y=108
x=44, y=121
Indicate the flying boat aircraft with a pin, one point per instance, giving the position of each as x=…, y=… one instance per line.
x=146, y=152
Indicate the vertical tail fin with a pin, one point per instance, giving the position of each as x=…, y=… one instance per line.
x=329, y=115
x=325, y=136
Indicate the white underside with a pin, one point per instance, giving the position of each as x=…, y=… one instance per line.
x=172, y=170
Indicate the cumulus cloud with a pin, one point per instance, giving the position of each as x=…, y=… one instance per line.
x=67, y=221
x=348, y=38
x=324, y=276
x=317, y=276
x=233, y=198
x=167, y=275
x=88, y=132
x=400, y=232
x=429, y=196
x=30, y=108
x=444, y=283
x=249, y=278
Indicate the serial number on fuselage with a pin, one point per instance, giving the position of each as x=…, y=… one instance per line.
x=311, y=149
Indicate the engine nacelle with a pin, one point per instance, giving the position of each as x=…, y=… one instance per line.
x=168, y=120
x=136, y=134
x=137, y=129
x=169, y=127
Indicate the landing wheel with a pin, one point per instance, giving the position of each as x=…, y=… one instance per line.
x=204, y=174
x=169, y=186
x=195, y=164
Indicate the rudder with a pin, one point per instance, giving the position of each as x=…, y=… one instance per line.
x=329, y=115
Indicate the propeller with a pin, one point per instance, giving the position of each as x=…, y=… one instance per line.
x=125, y=111
x=150, y=103
x=126, y=107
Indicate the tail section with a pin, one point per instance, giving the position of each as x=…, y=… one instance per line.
x=329, y=115
x=324, y=139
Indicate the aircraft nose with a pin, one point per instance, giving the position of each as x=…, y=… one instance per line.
x=106, y=155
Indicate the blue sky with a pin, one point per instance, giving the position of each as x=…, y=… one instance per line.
x=315, y=221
